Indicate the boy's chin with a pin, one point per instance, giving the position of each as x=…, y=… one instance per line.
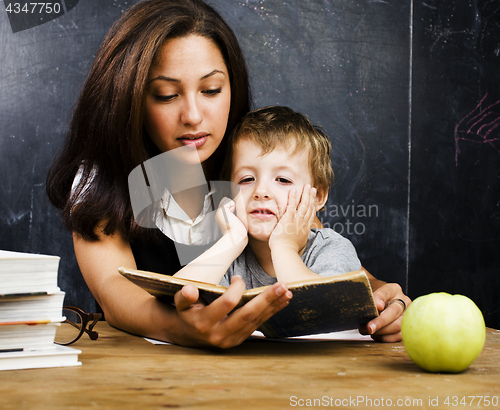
x=260, y=238
x=260, y=233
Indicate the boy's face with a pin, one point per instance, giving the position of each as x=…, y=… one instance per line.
x=265, y=181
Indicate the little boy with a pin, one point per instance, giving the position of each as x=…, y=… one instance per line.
x=282, y=166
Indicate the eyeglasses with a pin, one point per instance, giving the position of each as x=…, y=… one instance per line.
x=75, y=325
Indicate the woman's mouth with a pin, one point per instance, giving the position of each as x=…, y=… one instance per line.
x=195, y=140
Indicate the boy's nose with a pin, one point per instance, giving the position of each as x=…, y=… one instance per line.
x=261, y=191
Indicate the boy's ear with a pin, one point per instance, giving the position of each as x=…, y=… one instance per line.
x=321, y=198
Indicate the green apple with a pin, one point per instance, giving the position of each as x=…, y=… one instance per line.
x=443, y=332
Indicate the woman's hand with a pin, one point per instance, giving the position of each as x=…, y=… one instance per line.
x=386, y=327
x=212, y=325
x=189, y=323
x=294, y=226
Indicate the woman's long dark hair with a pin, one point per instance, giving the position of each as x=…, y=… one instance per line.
x=106, y=132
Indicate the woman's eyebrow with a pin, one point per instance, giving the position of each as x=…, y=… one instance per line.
x=164, y=78
x=212, y=73
x=176, y=80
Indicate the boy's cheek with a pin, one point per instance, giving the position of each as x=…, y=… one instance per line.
x=282, y=200
x=244, y=199
x=239, y=196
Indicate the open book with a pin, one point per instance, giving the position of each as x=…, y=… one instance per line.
x=320, y=305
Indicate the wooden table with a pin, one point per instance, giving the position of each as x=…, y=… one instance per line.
x=121, y=371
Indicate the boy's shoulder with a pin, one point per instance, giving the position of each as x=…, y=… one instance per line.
x=329, y=251
x=327, y=239
x=326, y=234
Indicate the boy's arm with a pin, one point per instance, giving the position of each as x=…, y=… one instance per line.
x=289, y=266
x=211, y=266
x=330, y=254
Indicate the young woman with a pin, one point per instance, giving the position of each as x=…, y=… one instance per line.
x=169, y=74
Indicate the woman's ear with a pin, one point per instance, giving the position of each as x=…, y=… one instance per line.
x=321, y=198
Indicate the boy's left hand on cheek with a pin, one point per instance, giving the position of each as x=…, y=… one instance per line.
x=294, y=226
x=387, y=327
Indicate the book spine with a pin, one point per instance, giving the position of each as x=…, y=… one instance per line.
x=267, y=330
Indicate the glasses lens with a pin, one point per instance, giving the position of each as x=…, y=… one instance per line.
x=70, y=328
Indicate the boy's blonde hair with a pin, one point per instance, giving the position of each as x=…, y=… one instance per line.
x=277, y=126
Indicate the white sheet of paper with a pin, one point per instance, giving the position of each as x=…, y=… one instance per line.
x=156, y=342
x=346, y=335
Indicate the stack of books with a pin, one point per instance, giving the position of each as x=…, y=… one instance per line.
x=31, y=306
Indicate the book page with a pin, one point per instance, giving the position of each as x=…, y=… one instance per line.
x=347, y=335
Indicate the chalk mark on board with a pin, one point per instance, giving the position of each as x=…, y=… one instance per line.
x=478, y=127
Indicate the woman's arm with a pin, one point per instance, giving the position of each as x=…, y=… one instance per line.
x=190, y=323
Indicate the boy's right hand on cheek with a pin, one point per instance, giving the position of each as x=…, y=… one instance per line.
x=227, y=221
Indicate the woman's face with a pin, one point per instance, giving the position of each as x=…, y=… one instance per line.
x=188, y=96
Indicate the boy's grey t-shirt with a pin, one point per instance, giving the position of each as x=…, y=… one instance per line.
x=327, y=253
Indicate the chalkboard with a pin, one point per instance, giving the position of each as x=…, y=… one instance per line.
x=455, y=140
x=415, y=196
x=346, y=65
x=41, y=72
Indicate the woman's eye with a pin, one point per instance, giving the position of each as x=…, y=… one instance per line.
x=165, y=98
x=283, y=180
x=212, y=92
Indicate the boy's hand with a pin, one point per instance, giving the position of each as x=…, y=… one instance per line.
x=228, y=222
x=294, y=226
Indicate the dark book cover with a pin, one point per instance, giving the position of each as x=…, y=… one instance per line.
x=322, y=305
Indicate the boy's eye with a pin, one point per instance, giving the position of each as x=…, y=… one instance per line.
x=245, y=180
x=283, y=180
x=212, y=92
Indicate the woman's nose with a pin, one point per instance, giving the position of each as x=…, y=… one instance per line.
x=191, y=111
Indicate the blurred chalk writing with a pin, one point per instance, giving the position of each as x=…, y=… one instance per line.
x=480, y=126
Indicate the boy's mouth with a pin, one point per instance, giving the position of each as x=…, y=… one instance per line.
x=262, y=213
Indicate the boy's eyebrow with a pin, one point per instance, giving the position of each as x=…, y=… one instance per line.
x=275, y=169
x=284, y=167
x=176, y=80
